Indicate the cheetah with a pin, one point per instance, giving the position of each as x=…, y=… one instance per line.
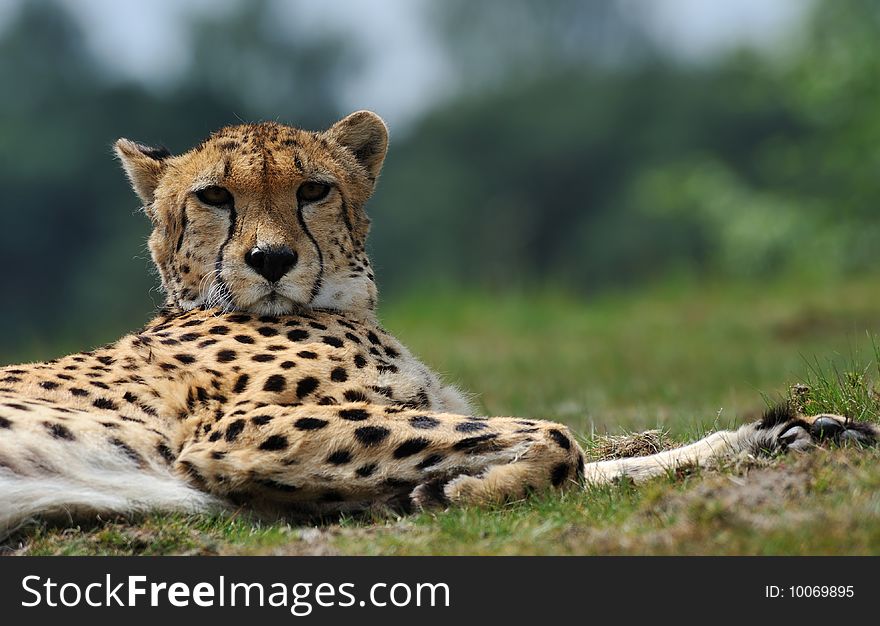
x=266, y=381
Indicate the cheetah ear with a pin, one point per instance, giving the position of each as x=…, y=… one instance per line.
x=365, y=134
x=143, y=165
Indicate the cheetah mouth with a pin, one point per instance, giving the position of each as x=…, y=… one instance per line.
x=274, y=302
x=242, y=292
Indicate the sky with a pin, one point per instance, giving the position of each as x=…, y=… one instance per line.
x=404, y=70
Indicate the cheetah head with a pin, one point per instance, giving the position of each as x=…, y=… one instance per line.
x=264, y=218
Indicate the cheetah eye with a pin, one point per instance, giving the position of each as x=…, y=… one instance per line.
x=312, y=191
x=214, y=196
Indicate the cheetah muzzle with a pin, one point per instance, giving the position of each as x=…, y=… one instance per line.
x=266, y=380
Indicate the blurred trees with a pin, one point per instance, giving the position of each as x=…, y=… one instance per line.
x=73, y=256
x=571, y=151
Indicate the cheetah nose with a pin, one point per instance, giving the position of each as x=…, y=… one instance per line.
x=271, y=262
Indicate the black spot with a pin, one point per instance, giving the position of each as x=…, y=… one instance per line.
x=286, y=365
x=268, y=319
x=276, y=383
x=263, y=358
x=78, y=392
x=5, y=423
x=317, y=326
x=559, y=474
x=59, y=432
x=411, y=447
x=373, y=338
x=48, y=384
x=355, y=395
x=561, y=439
x=219, y=330
x=388, y=392
x=99, y=384
x=106, y=360
x=190, y=336
x=275, y=442
x=352, y=337
x=336, y=342
x=339, y=375
x=239, y=319
x=310, y=423
x=479, y=443
x=244, y=339
x=371, y=435
x=470, y=427
x=391, y=352
x=366, y=470
x=430, y=461
x=307, y=354
x=165, y=452
x=193, y=473
x=185, y=358
x=273, y=484
x=215, y=435
x=104, y=403
x=327, y=401
x=127, y=450
x=423, y=422
x=234, y=430
x=340, y=457
x=354, y=415
x=297, y=334
x=217, y=455
x=206, y=343
x=241, y=383
x=225, y=356
x=260, y=420
x=359, y=361
x=306, y=386
x=267, y=331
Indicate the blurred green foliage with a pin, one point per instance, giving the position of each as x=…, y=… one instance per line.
x=574, y=154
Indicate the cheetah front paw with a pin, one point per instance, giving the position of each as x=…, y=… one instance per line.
x=462, y=489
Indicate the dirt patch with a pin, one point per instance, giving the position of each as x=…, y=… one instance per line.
x=740, y=495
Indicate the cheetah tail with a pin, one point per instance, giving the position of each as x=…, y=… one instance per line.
x=47, y=486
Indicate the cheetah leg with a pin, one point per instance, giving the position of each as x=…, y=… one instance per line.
x=779, y=431
x=511, y=481
x=357, y=455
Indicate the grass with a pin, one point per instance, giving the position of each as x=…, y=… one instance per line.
x=685, y=359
